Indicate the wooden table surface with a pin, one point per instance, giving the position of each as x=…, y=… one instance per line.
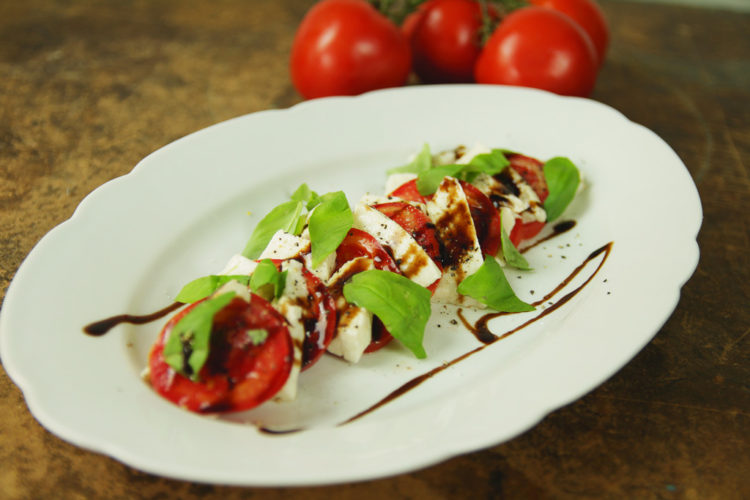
x=89, y=88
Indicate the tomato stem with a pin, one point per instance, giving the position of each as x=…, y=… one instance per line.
x=396, y=10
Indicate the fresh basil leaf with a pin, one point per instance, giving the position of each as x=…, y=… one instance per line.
x=203, y=287
x=402, y=305
x=511, y=254
x=490, y=287
x=329, y=224
x=306, y=195
x=257, y=335
x=266, y=274
x=187, y=348
x=488, y=163
x=428, y=182
x=562, y=178
x=285, y=217
x=302, y=193
x=420, y=163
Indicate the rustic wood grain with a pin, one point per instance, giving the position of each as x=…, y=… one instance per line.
x=89, y=88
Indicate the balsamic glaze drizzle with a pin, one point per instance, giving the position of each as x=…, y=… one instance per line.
x=99, y=328
x=557, y=230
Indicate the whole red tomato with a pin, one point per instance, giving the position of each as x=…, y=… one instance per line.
x=540, y=48
x=346, y=47
x=445, y=40
x=589, y=16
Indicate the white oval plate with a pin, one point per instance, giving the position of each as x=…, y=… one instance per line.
x=183, y=211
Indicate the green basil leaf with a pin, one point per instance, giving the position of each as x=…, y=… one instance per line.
x=562, y=178
x=306, y=195
x=488, y=163
x=187, y=348
x=511, y=254
x=490, y=287
x=266, y=274
x=329, y=224
x=402, y=305
x=420, y=163
x=428, y=182
x=285, y=217
x=203, y=287
x=257, y=335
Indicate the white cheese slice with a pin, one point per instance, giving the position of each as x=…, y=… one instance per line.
x=240, y=291
x=324, y=269
x=239, y=265
x=467, y=155
x=285, y=246
x=410, y=257
x=353, y=334
x=354, y=328
x=294, y=290
x=450, y=212
x=447, y=157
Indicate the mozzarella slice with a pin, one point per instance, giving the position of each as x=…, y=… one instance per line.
x=354, y=328
x=324, y=269
x=239, y=265
x=285, y=246
x=353, y=334
x=466, y=155
x=241, y=291
x=410, y=257
x=294, y=290
x=520, y=197
x=450, y=212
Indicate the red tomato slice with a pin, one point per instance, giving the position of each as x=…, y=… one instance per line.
x=238, y=374
x=417, y=224
x=409, y=192
x=524, y=230
x=532, y=171
x=319, y=320
x=359, y=243
x=486, y=219
x=380, y=336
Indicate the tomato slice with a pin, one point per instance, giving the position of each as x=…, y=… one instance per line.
x=532, y=171
x=408, y=191
x=319, y=319
x=381, y=337
x=524, y=230
x=359, y=243
x=417, y=224
x=238, y=375
x=486, y=219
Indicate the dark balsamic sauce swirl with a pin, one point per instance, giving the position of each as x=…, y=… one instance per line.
x=99, y=328
x=557, y=230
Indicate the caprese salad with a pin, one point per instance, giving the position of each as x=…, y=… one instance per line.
x=320, y=276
